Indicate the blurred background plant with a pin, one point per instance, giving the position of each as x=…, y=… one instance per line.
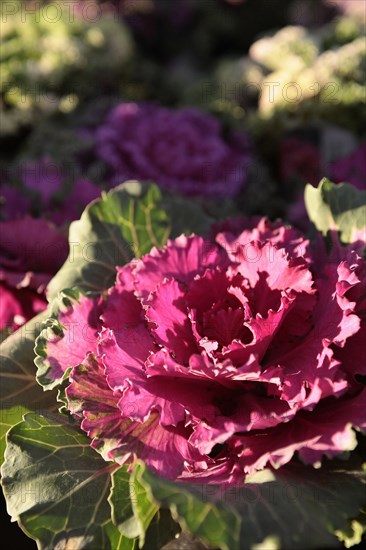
x=53, y=61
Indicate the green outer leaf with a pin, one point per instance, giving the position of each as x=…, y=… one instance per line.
x=120, y=502
x=56, y=486
x=213, y=523
x=132, y=510
x=186, y=215
x=8, y=418
x=137, y=516
x=298, y=503
x=20, y=392
x=286, y=507
x=124, y=223
x=117, y=540
x=144, y=508
x=339, y=207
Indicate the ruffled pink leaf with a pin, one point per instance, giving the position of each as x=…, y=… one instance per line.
x=182, y=259
x=325, y=431
x=115, y=435
x=167, y=312
x=79, y=336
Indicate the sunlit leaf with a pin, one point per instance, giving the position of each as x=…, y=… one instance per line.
x=56, y=486
x=340, y=208
x=20, y=392
x=285, y=507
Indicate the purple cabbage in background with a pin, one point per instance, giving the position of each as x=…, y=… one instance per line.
x=31, y=252
x=183, y=150
x=351, y=168
x=48, y=190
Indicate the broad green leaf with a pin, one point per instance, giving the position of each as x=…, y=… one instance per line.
x=20, y=392
x=56, y=486
x=136, y=515
x=214, y=523
x=339, y=208
x=120, y=502
x=144, y=508
x=126, y=222
x=283, y=507
x=8, y=418
x=186, y=216
x=117, y=540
